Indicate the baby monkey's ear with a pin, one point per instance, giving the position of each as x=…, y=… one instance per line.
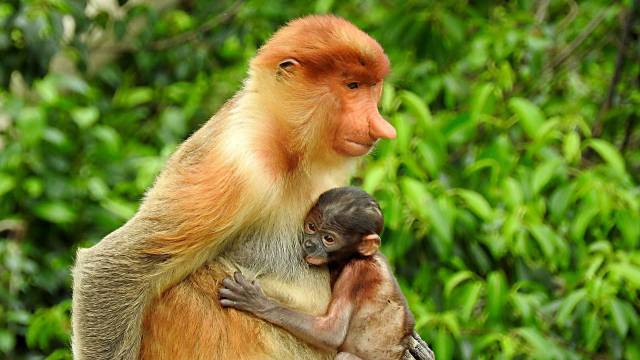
x=369, y=244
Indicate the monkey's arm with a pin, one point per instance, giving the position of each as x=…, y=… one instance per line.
x=327, y=331
x=186, y=218
x=111, y=287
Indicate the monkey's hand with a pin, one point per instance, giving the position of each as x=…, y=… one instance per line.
x=241, y=294
x=418, y=349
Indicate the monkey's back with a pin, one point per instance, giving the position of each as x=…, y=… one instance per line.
x=381, y=321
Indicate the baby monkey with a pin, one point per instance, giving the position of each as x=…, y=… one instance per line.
x=367, y=317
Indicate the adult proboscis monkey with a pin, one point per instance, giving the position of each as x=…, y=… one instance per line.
x=232, y=197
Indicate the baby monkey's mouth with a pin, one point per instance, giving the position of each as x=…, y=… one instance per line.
x=315, y=260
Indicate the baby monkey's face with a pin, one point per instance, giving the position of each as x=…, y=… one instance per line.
x=344, y=223
x=324, y=243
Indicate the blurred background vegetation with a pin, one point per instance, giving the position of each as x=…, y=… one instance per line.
x=511, y=194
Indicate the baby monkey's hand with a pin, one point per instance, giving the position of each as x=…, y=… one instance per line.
x=241, y=294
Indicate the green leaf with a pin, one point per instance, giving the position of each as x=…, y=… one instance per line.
x=424, y=206
x=479, y=101
x=443, y=346
x=543, y=234
x=560, y=200
x=85, y=116
x=432, y=159
x=373, y=178
x=7, y=183
x=476, y=203
x=522, y=305
x=456, y=280
x=417, y=108
x=543, y=348
x=7, y=341
x=388, y=96
x=542, y=175
x=530, y=116
x=618, y=317
x=130, y=97
x=568, y=304
x=404, y=133
x=512, y=192
x=586, y=213
x=629, y=224
x=55, y=211
x=123, y=209
x=591, y=330
x=469, y=299
x=496, y=296
x=31, y=124
x=610, y=154
x=571, y=147
x=628, y=272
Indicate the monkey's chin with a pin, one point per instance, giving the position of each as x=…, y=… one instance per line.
x=315, y=260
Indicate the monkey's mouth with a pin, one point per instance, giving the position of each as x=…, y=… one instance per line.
x=313, y=260
x=364, y=146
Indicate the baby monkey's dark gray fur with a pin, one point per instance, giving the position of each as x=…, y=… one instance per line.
x=368, y=317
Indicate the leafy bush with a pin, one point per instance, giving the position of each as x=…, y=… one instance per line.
x=511, y=194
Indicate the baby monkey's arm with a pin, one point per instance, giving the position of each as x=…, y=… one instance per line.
x=326, y=331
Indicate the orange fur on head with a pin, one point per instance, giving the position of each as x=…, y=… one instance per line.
x=310, y=95
x=326, y=45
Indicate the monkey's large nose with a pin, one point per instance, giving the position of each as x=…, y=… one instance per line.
x=379, y=128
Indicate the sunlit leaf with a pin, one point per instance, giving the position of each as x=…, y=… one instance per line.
x=456, y=280
x=417, y=108
x=568, y=305
x=55, y=211
x=618, y=317
x=476, y=203
x=496, y=296
x=530, y=116
x=609, y=153
x=571, y=146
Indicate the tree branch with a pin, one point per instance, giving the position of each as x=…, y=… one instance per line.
x=182, y=38
x=626, y=34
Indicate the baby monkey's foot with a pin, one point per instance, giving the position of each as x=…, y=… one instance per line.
x=239, y=293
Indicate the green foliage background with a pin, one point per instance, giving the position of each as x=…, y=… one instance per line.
x=511, y=194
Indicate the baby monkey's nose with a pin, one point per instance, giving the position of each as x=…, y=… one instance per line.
x=308, y=245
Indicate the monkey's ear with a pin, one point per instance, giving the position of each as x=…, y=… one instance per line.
x=369, y=244
x=288, y=64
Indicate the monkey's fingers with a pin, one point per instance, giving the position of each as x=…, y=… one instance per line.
x=239, y=278
x=239, y=305
x=227, y=303
x=230, y=283
x=419, y=348
x=230, y=294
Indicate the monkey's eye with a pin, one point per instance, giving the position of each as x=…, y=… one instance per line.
x=311, y=228
x=353, y=85
x=328, y=239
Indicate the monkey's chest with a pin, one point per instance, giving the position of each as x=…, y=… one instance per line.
x=275, y=259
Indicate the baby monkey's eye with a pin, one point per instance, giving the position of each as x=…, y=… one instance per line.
x=328, y=239
x=311, y=228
